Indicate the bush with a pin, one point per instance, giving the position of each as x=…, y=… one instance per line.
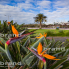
x=67, y=34
x=61, y=32
x=49, y=33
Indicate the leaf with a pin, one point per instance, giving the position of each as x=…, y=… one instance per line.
x=57, y=53
x=24, y=46
x=35, y=64
x=2, y=50
x=2, y=45
x=65, y=66
x=3, y=41
x=5, y=52
x=22, y=32
x=8, y=53
x=26, y=57
x=40, y=64
x=26, y=42
x=24, y=49
x=17, y=47
x=45, y=41
x=66, y=53
x=32, y=40
x=2, y=56
x=16, y=50
x=29, y=60
x=58, y=63
x=36, y=43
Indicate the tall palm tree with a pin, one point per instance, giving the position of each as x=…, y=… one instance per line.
x=40, y=18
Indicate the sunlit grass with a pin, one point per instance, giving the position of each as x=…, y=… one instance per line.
x=54, y=32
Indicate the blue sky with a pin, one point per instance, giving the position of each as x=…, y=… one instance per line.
x=23, y=11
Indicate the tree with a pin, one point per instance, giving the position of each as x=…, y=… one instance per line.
x=40, y=18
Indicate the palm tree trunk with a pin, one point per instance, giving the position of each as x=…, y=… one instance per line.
x=40, y=25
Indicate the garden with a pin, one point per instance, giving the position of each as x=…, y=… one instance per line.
x=31, y=49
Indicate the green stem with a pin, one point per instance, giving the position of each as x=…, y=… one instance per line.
x=44, y=65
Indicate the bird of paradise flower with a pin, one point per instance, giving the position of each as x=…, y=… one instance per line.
x=13, y=29
x=42, y=35
x=17, y=38
x=14, y=39
x=41, y=54
x=45, y=35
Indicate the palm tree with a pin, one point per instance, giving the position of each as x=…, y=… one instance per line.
x=40, y=18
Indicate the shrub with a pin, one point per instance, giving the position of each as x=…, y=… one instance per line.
x=19, y=52
x=61, y=32
x=50, y=33
x=67, y=34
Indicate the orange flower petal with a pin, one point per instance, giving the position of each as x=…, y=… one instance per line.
x=39, y=37
x=45, y=34
x=41, y=34
x=55, y=59
x=49, y=56
x=44, y=51
x=39, y=49
x=14, y=30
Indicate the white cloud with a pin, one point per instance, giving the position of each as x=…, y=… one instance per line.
x=3, y=2
x=61, y=3
x=28, y=1
x=22, y=12
x=60, y=14
x=24, y=5
x=44, y=4
x=16, y=14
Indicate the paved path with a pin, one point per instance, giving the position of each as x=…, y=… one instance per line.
x=59, y=38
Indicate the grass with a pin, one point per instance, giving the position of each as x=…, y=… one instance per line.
x=50, y=32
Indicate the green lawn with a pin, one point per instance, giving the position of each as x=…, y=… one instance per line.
x=50, y=32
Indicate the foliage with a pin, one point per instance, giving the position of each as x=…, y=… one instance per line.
x=19, y=53
x=40, y=18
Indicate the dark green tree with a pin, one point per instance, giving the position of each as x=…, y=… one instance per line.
x=40, y=18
